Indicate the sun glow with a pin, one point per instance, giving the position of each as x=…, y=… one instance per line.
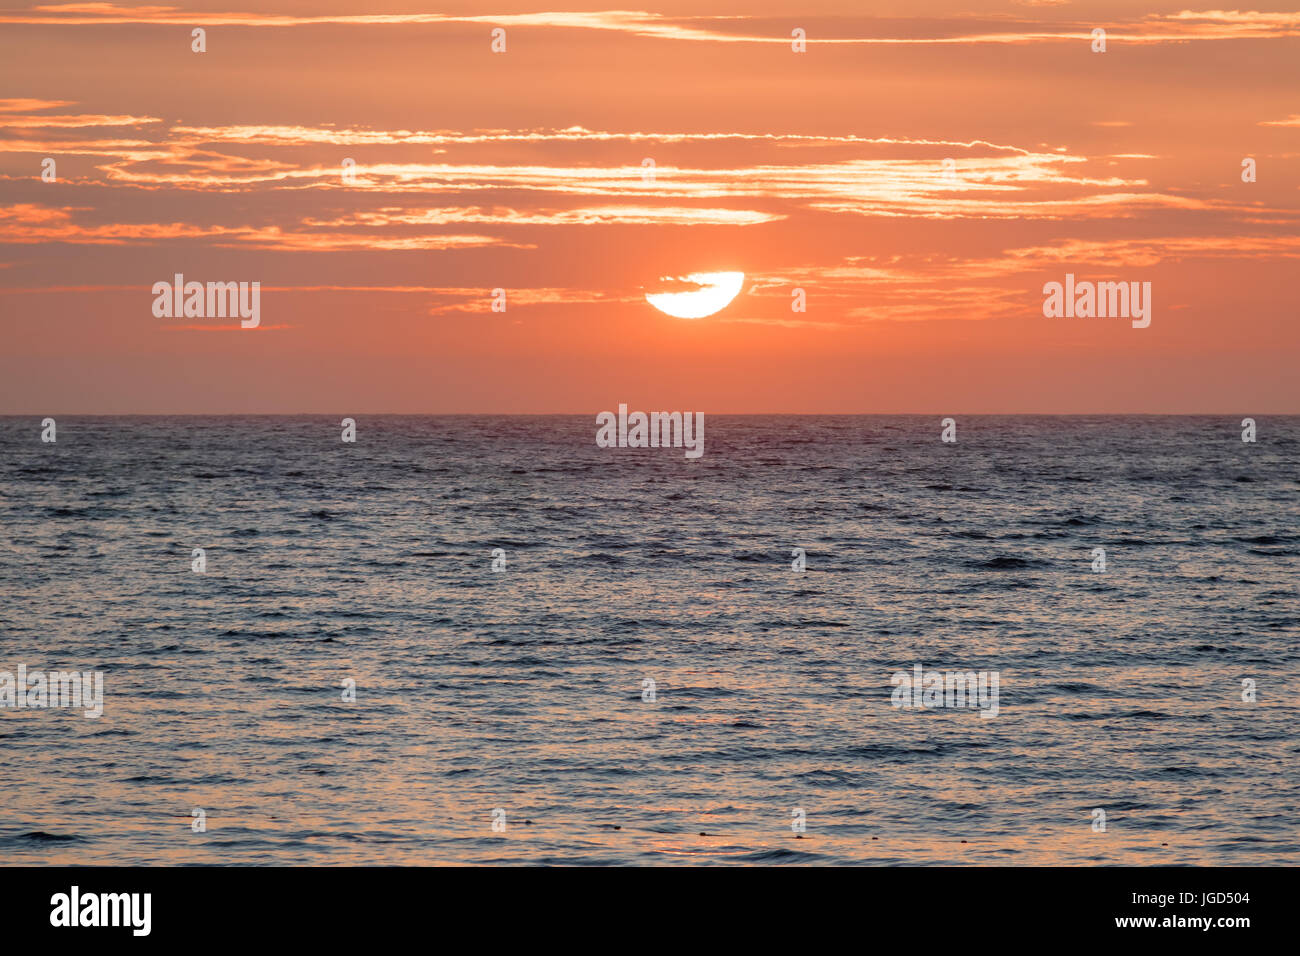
x=696, y=295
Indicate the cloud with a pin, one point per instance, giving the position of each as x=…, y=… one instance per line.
x=843, y=30
x=23, y=105
x=30, y=223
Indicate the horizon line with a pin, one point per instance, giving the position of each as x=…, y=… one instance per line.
x=353, y=414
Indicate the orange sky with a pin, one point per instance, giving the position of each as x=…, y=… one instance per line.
x=522, y=170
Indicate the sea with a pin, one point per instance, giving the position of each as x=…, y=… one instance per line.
x=487, y=640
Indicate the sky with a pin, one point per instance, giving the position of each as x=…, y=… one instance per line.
x=921, y=170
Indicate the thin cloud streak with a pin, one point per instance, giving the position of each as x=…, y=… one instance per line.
x=1153, y=28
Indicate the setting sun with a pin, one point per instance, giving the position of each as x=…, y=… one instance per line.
x=697, y=295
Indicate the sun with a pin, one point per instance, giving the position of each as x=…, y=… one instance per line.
x=696, y=295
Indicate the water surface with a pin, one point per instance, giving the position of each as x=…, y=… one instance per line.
x=522, y=690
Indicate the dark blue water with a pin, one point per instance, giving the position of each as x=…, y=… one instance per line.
x=522, y=690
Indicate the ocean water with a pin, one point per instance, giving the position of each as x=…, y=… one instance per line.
x=522, y=690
